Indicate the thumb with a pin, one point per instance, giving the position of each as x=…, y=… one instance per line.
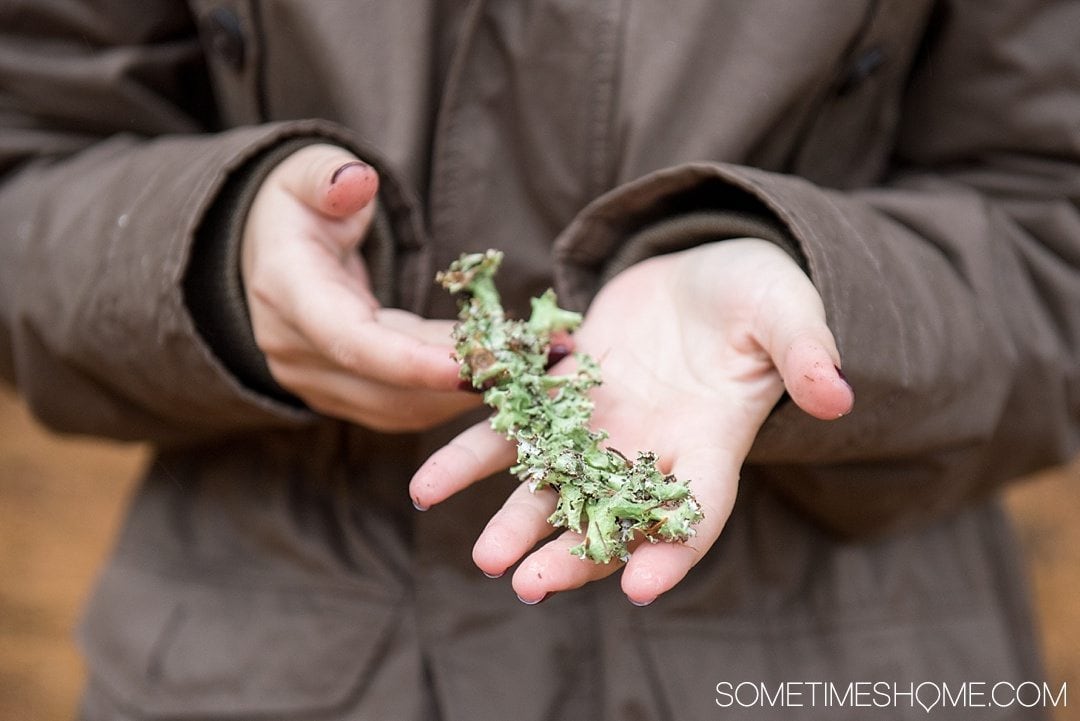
x=804, y=351
x=329, y=179
x=813, y=378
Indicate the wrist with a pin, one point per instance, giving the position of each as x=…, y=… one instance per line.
x=213, y=284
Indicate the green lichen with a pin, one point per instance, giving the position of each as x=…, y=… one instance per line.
x=602, y=494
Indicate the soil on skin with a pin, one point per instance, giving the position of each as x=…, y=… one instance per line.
x=61, y=500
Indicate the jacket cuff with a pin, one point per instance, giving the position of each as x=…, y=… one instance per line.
x=213, y=286
x=691, y=229
x=668, y=211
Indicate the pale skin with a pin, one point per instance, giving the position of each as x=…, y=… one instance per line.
x=695, y=349
x=325, y=336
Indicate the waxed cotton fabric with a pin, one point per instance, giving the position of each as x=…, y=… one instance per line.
x=921, y=158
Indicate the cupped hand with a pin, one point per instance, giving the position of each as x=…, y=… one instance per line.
x=325, y=336
x=695, y=349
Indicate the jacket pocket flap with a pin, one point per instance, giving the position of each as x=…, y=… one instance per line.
x=174, y=648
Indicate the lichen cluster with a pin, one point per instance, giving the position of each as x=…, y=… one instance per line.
x=602, y=494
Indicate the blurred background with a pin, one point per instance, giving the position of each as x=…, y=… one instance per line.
x=61, y=501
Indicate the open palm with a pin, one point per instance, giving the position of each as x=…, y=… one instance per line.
x=696, y=348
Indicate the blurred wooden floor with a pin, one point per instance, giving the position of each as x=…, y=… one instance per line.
x=60, y=502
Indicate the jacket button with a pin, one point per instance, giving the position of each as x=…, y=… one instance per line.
x=226, y=36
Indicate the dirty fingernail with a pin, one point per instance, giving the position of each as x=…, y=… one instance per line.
x=841, y=374
x=556, y=353
x=464, y=385
x=346, y=166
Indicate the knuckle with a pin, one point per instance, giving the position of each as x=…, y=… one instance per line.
x=274, y=346
x=287, y=375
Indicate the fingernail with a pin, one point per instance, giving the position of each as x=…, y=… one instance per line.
x=419, y=506
x=346, y=166
x=543, y=598
x=562, y=345
x=640, y=604
x=843, y=377
x=494, y=575
x=464, y=385
x=556, y=353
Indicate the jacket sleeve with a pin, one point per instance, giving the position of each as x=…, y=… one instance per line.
x=109, y=162
x=953, y=287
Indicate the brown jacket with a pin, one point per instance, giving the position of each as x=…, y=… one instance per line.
x=923, y=157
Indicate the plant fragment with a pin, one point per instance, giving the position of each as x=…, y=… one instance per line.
x=602, y=494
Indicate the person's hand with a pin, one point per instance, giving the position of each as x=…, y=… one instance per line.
x=325, y=336
x=695, y=348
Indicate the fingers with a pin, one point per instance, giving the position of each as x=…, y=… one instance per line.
x=435, y=332
x=517, y=527
x=515, y=530
x=765, y=324
x=795, y=334
x=522, y=523
x=395, y=348
x=326, y=387
x=386, y=355
x=301, y=271
x=553, y=568
x=329, y=179
x=312, y=309
x=812, y=377
x=655, y=568
x=770, y=297
x=474, y=454
x=383, y=408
